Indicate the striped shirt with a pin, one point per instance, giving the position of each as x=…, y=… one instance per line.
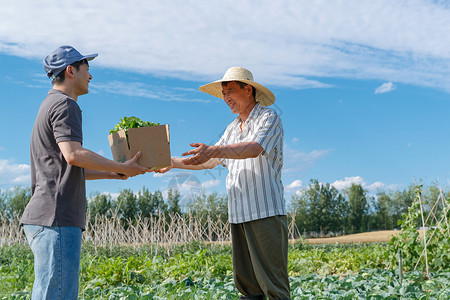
x=254, y=186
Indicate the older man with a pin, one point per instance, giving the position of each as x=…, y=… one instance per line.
x=252, y=150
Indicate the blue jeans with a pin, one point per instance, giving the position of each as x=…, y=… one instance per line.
x=57, y=253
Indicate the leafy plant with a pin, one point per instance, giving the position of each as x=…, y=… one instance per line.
x=131, y=122
x=412, y=245
x=408, y=241
x=204, y=271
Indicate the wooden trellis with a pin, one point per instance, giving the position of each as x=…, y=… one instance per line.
x=436, y=218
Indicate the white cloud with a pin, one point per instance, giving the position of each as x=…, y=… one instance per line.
x=304, y=40
x=297, y=160
x=393, y=187
x=296, y=184
x=385, y=88
x=187, y=184
x=21, y=179
x=295, y=140
x=139, y=89
x=211, y=183
x=114, y=195
x=12, y=173
x=375, y=186
x=299, y=193
x=348, y=181
x=159, y=175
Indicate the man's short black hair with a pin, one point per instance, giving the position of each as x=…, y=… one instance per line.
x=242, y=85
x=62, y=75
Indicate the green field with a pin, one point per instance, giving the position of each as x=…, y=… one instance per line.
x=204, y=271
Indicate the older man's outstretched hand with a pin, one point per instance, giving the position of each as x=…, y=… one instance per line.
x=201, y=154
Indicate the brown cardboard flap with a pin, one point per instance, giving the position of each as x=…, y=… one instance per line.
x=119, y=146
x=154, y=144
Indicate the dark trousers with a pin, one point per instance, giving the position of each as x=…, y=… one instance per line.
x=260, y=250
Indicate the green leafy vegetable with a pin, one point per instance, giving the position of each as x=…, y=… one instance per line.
x=131, y=122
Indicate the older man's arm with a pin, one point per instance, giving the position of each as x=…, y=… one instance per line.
x=203, y=153
x=207, y=157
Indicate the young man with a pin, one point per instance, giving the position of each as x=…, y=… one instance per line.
x=252, y=150
x=54, y=218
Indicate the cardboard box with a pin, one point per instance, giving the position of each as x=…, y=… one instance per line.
x=153, y=142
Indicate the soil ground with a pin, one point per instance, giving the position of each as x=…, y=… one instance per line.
x=365, y=237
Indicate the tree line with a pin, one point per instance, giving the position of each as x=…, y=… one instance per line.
x=321, y=208
x=318, y=208
x=128, y=205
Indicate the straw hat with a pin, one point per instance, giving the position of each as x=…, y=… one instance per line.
x=263, y=95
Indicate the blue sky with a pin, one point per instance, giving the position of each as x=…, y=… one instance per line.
x=362, y=86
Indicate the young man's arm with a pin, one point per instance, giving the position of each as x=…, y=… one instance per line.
x=78, y=156
x=93, y=175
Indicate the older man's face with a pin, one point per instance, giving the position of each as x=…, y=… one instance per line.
x=237, y=98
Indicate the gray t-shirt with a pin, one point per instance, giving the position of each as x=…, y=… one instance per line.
x=58, y=188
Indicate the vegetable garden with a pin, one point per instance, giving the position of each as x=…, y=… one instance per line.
x=203, y=271
x=145, y=266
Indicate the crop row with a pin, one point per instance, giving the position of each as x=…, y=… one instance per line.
x=203, y=271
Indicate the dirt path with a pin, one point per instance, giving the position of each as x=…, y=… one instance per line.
x=365, y=237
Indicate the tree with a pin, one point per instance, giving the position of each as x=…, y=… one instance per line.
x=321, y=208
x=370, y=219
x=100, y=205
x=150, y=204
x=145, y=203
x=209, y=205
x=197, y=205
x=383, y=211
x=173, y=201
x=127, y=205
x=217, y=206
x=158, y=203
x=358, y=206
x=300, y=208
x=4, y=205
x=315, y=206
x=13, y=202
x=430, y=197
x=401, y=201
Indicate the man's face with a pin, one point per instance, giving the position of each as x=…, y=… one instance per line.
x=82, y=79
x=237, y=98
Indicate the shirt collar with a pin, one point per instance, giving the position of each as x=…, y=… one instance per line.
x=56, y=91
x=254, y=111
x=252, y=114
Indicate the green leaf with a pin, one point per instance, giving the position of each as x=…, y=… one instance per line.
x=131, y=122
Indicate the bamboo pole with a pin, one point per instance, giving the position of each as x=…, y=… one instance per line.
x=424, y=235
x=400, y=271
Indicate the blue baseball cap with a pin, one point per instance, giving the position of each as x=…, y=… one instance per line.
x=63, y=56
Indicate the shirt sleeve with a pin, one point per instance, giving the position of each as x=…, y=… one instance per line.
x=66, y=121
x=269, y=131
